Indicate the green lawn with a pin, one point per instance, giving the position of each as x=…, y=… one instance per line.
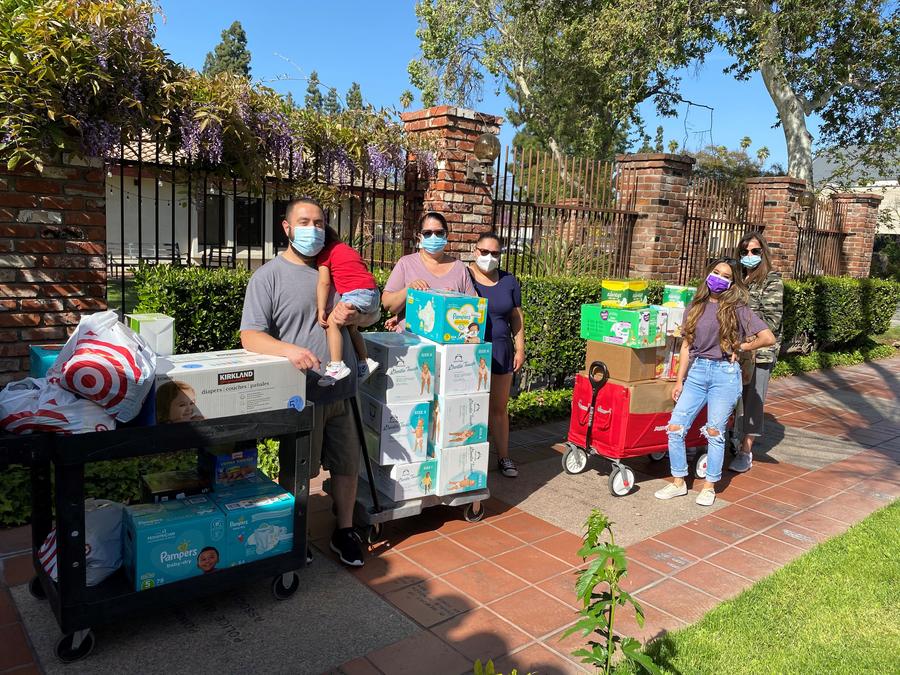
x=114, y=294
x=893, y=335
x=834, y=610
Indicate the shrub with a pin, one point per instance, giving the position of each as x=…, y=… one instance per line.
x=804, y=363
x=536, y=407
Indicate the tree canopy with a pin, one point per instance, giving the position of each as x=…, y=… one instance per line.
x=231, y=54
x=313, y=99
x=354, y=97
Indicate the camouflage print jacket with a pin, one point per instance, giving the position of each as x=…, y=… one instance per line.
x=767, y=301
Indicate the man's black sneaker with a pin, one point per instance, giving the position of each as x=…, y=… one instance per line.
x=346, y=543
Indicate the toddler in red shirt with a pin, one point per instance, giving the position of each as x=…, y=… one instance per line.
x=340, y=265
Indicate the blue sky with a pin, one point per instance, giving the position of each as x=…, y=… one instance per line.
x=371, y=42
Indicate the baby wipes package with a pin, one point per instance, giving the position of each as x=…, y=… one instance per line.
x=462, y=469
x=445, y=316
x=459, y=420
x=157, y=329
x=462, y=369
x=402, y=429
x=407, y=370
x=258, y=524
x=172, y=540
x=225, y=383
x=635, y=328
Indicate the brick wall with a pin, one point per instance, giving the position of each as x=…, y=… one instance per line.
x=780, y=213
x=52, y=256
x=859, y=219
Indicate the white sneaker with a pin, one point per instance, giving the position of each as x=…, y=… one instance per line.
x=365, y=369
x=707, y=497
x=671, y=490
x=334, y=371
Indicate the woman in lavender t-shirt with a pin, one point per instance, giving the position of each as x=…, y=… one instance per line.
x=717, y=327
x=427, y=268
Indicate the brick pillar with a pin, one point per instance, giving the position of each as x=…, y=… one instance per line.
x=774, y=203
x=857, y=215
x=655, y=185
x=467, y=206
x=52, y=256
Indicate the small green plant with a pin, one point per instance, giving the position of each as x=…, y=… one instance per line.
x=268, y=457
x=606, y=567
x=488, y=669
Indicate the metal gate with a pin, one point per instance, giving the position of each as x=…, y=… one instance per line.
x=820, y=240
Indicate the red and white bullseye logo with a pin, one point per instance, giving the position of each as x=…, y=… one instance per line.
x=100, y=372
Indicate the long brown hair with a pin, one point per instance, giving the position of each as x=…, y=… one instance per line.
x=759, y=273
x=726, y=312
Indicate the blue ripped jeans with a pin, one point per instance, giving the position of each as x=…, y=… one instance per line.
x=716, y=384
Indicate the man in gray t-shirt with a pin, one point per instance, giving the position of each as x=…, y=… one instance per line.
x=280, y=317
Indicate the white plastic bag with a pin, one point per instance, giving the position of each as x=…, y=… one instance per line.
x=108, y=363
x=102, y=541
x=35, y=405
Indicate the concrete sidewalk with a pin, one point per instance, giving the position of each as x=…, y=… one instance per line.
x=504, y=588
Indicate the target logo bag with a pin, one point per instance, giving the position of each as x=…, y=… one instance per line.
x=108, y=363
x=36, y=405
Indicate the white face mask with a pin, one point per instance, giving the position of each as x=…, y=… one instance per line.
x=487, y=263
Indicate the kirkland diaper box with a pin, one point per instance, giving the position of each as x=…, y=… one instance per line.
x=459, y=420
x=407, y=371
x=223, y=467
x=173, y=540
x=462, y=369
x=627, y=293
x=157, y=329
x=221, y=384
x=446, y=317
x=402, y=429
x=462, y=469
x=258, y=524
x=635, y=328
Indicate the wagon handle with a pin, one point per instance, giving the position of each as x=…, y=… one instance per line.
x=595, y=368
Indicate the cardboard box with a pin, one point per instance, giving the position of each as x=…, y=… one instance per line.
x=462, y=369
x=624, y=363
x=41, y=357
x=402, y=429
x=459, y=420
x=258, y=524
x=224, y=467
x=446, y=317
x=625, y=293
x=221, y=384
x=678, y=296
x=401, y=482
x=462, y=469
x=165, y=485
x=407, y=367
x=636, y=328
x=157, y=329
x=172, y=540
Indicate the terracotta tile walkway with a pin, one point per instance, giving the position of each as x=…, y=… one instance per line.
x=503, y=588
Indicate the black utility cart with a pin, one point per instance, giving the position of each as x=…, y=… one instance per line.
x=78, y=607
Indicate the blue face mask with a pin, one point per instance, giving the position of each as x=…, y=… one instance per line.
x=434, y=243
x=308, y=240
x=751, y=261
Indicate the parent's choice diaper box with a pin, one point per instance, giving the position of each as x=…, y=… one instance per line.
x=445, y=316
x=462, y=469
x=172, y=540
x=402, y=429
x=463, y=369
x=459, y=420
x=157, y=329
x=258, y=523
x=407, y=367
x=225, y=383
x=635, y=328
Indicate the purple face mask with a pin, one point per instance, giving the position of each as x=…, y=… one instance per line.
x=717, y=284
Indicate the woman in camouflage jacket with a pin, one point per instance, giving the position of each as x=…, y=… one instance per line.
x=767, y=301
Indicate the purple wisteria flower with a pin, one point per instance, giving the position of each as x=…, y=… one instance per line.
x=427, y=161
x=201, y=145
x=100, y=138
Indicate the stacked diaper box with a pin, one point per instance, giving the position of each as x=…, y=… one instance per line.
x=676, y=300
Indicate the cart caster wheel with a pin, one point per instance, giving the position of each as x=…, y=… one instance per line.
x=621, y=481
x=374, y=533
x=473, y=512
x=36, y=590
x=700, y=468
x=67, y=654
x=282, y=591
x=574, y=460
x=658, y=456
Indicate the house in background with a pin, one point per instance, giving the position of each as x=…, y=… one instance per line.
x=886, y=184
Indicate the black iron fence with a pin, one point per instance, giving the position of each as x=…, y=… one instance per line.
x=820, y=240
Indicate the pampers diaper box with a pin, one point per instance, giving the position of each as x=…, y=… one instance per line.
x=402, y=429
x=407, y=370
x=459, y=420
x=220, y=384
x=258, y=524
x=462, y=469
x=463, y=369
x=173, y=540
x=446, y=317
x=635, y=328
